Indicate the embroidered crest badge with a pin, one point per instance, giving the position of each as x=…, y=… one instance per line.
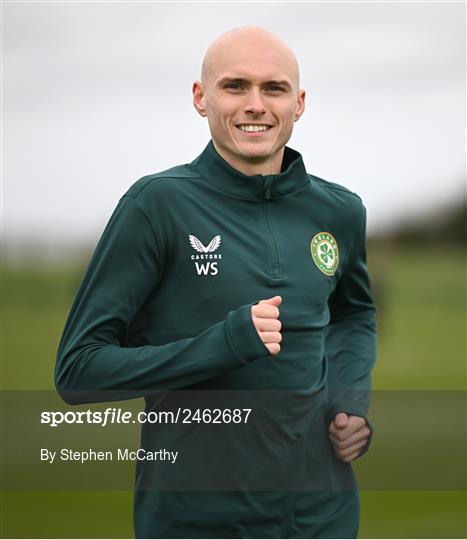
x=325, y=252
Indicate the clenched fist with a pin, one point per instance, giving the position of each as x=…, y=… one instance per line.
x=265, y=317
x=348, y=434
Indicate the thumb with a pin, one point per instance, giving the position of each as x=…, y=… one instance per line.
x=341, y=421
x=274, y=301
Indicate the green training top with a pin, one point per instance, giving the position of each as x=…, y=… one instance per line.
x=165, y=305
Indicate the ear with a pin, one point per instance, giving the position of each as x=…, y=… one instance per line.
x=300, y=104
x=199, y=97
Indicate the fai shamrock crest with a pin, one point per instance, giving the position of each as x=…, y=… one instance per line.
x=325, y=253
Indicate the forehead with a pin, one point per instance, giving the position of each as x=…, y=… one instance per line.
x=252, y=71
x=252, y=59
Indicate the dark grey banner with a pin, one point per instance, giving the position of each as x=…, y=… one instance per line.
x=261, y=440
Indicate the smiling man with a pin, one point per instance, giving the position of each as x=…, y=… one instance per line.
x=237, y=279
x=250, y=94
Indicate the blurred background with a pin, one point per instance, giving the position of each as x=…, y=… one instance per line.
x=96, y=95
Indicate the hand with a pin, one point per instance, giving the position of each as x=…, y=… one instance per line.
x=348, y=434
x=265, y=317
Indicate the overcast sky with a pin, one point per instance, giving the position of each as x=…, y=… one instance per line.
x=96, y=95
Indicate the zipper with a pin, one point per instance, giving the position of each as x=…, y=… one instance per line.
x=275, y=270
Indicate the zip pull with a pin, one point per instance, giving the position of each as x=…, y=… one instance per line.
x=268, y=186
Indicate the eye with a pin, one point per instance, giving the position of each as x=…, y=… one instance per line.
x=233, y=86
x=275, y=88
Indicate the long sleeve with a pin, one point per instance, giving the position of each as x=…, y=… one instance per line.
x=351, y=335
x=93, y=363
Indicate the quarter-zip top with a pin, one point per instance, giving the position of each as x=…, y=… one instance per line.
x=165, y=305
x=262, y=188
x=217, y=172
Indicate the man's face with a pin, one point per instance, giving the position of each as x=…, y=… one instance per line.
x=251, y=99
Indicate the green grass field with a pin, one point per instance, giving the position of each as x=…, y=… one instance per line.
x=421, y=300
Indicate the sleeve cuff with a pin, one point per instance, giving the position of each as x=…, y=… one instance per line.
x=243, y=336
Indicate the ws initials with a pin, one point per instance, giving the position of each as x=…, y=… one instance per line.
x=205, y=269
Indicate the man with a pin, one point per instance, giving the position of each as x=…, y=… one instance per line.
x=238, y=273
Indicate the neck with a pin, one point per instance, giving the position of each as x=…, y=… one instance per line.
x=268, y=166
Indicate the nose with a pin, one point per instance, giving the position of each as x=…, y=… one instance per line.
x=254, y=102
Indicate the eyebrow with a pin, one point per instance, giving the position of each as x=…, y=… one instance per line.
x=241, y=80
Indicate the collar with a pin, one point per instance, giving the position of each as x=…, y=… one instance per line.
x=215, y=170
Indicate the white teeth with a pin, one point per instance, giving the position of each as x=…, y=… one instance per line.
x=253, y=128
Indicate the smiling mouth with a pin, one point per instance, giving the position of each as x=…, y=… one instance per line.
x=253, y=128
